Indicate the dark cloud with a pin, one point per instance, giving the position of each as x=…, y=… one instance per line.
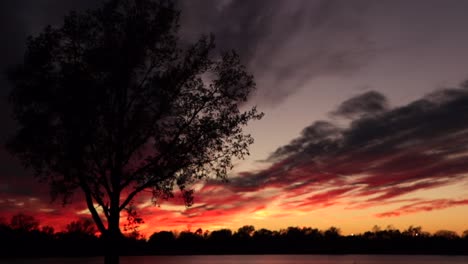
x=285, y=43
x=365, y=105
x=318, y=137
x=379, y=158
x=18, y=20
x=22, y=18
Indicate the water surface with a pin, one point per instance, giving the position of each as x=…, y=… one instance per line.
x=260, y=259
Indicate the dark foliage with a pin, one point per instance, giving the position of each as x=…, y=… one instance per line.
x=77, y=240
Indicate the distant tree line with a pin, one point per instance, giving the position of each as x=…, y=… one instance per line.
x=23, y=236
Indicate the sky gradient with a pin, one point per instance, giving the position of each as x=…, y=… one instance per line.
x=365, y=116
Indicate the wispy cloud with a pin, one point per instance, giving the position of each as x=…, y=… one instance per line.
x=286, y=43
x=423, y=206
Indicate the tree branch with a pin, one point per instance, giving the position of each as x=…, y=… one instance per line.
x=172, y=142
x=133, y=193
x=99, y=200
x=92, y=209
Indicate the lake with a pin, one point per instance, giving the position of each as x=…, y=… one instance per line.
x=261, y=259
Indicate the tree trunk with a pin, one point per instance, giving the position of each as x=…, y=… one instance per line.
x=112, y=247
x=111, y=259
x=113, y=237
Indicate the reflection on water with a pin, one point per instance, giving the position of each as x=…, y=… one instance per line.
x=260, y=259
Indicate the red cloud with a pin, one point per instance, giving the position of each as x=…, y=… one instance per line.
x=423, y=206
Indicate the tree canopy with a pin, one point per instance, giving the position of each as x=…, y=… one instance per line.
x=111, y=103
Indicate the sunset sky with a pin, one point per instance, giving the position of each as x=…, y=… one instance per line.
x=366, y=116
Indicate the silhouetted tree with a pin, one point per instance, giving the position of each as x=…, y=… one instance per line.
x=292, y=240
x=312, y=233
x=265, y=239
x=187, y=239
x=446, y=234
x=111, y=104
x=162, y=236
x=82, y=226
x=48, y=230
x=376, y=229
x=24, y=223
x=245, y=231
x=221, y=241
x=221, y=235
x=133, y=223
x=199, y=232
x=414, y=231
x=465, y=234
x=162, y=241
x=263, y=234
x=332, y=232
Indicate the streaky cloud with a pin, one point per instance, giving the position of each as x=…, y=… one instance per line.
x=423, y=206
x=384, y=154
